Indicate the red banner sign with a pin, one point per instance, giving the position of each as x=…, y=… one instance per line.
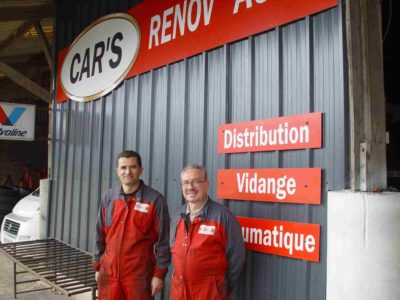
x=290, y=239
x=294, y=185
x=172, y=30
x=284, y=133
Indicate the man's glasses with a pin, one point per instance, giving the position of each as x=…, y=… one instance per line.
x=194, y=182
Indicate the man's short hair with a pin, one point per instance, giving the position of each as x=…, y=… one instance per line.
x=130, y=153
x=197, y=167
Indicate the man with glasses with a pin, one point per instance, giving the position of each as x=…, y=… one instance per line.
x=206, y=243
x=131, y=251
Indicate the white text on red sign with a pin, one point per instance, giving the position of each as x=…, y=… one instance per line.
x=292, y=185
x=291, y=239
x=284, y=133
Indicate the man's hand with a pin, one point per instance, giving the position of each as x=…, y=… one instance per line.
x=96, y=276
x=156, y=285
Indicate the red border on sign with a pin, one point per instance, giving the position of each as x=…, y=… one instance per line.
x=289, y=239
x=291, y=185
x=217, y=25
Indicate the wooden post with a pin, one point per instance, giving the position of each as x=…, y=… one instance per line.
x=366, y=95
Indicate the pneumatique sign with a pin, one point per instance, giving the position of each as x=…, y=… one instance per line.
x=169, y=31
x=17, y=121
x=290, y=239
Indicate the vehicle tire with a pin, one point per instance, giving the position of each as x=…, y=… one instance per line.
x=8, y=191
x=24, y=192
x=8, y=198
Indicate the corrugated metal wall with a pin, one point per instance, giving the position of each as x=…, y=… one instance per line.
x=171, y=115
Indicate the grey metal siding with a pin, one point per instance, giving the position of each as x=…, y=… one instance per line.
x=171, y=116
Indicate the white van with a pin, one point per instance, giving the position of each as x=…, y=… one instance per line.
x=22, y=224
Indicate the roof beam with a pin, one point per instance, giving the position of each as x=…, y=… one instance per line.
x=17, y=35
x=45, y=43
x=9, y=13
x=25, y=82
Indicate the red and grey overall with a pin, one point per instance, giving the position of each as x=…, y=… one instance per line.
x=131, y=243
x=208, y=253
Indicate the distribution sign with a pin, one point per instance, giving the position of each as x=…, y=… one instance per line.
x=171, y=30
x=290, y=239
x=17, y=121
x=284, y=133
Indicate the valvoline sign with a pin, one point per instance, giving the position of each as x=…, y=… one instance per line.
x=164, y=32
x=17, y=122
x=12, y=118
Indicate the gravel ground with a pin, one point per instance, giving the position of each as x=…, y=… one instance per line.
x=7, y=285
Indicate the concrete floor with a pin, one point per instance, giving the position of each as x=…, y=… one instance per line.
x=7, y=285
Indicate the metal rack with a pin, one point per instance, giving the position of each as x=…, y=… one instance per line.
x=65, y=268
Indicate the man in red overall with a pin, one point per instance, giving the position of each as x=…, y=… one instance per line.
x=206, y=242
x=131, y=252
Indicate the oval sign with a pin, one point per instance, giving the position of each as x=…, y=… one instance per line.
x=100, y=57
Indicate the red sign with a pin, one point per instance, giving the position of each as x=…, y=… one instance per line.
x=290, y=239
x=294, y=185
x=284, y=133
x=172, y=30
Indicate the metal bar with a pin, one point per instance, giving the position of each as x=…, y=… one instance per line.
x=63, y=264
x=35, y=290
x=50, y=275
x=37, y=243
x=30, y=243
x=36, y=274
x=61, y=259
x=83, y=251
x=76, y=274
x=48, y=252
x=63, y=267
x=79, y=291
x=88, y=287
x=42, y=258
x=82, y=278
x=46, y=270
x=37, y=248
x=40, y=247
x=27, y=281
x=94, y=294
x=78, y=277
x=15, y=281
x=26, y=242
x=70, y=273
x=53, y=255
x=73, y=284
x=77, y=268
